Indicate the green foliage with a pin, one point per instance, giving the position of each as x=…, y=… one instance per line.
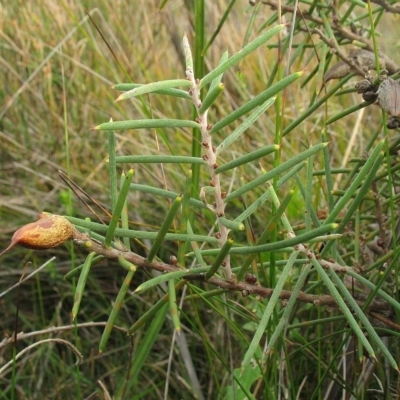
x=246, y=254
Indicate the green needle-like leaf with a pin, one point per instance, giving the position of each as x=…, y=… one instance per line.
x=116, y=307
x=357, y=182
x=118, y=208
x=268, y=310
x=123, y=87
x=348, y=111
x=164, y=193
x=130, y=233
x=362, y=317
x=233, y=225
x=219, y=259
x=249, y=121
x=112, y=169
x=169, y=276
x=80, y=287
x=152, y=87
x=256, y=101
x=146, y=124
x=256, y=43
x=173, y=306
x=276, y=171
x=282, y=244
x=254, y=155
x=169, y=218
x=211, y=97
x=341, y=303
x=266, y=233
x=157, y=159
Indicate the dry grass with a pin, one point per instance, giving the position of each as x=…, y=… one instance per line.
x=57, y=72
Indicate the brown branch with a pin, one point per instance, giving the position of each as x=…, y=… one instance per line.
x=85, y=242
x=387, y=7
x=55, y=329
x=339, y=30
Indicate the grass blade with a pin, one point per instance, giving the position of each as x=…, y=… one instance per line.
x=80, y=287
x=162, y=232
x=256, y=43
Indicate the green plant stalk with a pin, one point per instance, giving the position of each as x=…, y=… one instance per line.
x=198, y=67
x=355, y=170
x=195, y=247
x=316, y=105
x=342, y=202
x=219, y=27
x=284, y=320
x=149, y=315
x=185, y=216
x=276, y=203
x=112, y=171
x=155, y=159
x=144, y=349
x=240, y=55
x=222, y=254
x=247, y=158
x=131, y=268
x=211, y=97
x=328, y=174
x=309, y=191
x=357, y=240
x=373, y=35
x=269, y=310
x=364, y=320
x=249, y=121
x=276, y=171
x=80, y=287
x=117, y=306
x=359, y=197
x=341, y=303
x=118, y=208
x=125, y=218
x=169, y=218
x=152, y=87
x=375, y=289
x=256, y=101
x=146, y=124
x=173, y=306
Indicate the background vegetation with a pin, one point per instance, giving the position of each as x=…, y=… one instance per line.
x=58, y=62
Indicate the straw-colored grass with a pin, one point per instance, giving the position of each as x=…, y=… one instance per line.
x=57, y=73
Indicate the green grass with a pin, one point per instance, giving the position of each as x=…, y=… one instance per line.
x=57, y=77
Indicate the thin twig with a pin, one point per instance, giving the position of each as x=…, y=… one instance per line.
x=27, y=349
x=245, y=288
x=54, y=329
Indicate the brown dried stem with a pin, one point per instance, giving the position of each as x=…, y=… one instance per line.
x=339, y=30
x=85, y=242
